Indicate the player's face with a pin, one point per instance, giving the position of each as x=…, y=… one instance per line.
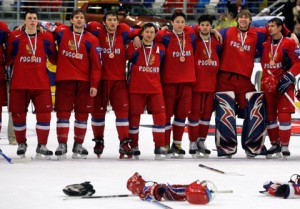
x=31, y=21
x=111, y=23
x=274, y=29
x=178, y=24
x=78, y=21
x=148, y=35
x=244, y=22
x=205, y=27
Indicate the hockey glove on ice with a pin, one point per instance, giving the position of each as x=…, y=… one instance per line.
x=286, y=80
x=83, y=189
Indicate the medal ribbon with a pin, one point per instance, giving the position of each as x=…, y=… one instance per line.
x=33, y=48
x=147, y=57
x=272, y=45
x=112, y=42
x=243, y=38
x=181, y=45
x=208, y=49
x=77, y=44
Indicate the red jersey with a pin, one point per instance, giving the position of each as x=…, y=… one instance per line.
x=272, y=61
x=173, y=69
x=86, y=66
x=239, y=49
x=145, y=78
x=113, y=68
x=206, y=65
x=4, y=31
x=28, y=73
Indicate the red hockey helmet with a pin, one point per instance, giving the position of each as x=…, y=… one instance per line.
x=198, y=193
x=269, y=84
x=136, y=184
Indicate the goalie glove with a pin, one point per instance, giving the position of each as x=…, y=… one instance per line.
x=287, y=79
x=284, y=190
x=83, y=189
x=169, y=192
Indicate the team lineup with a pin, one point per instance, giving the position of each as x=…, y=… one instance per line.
x=183, y=72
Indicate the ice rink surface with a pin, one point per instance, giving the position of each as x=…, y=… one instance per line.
x=38, y=184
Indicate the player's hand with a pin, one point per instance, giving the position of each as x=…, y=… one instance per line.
x=217, y=35
x=93, y=92
x=287, y=80
x=137, y=42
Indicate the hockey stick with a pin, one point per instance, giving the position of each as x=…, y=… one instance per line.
x=101, y=196
x=157, y=203
x=9, y=160
x=221, y=191
x=219, y=171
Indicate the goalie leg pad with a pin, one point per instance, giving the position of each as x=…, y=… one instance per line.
x=254, y=126
x=226, y=138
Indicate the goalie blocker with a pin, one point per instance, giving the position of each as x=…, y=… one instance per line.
x=254, y=125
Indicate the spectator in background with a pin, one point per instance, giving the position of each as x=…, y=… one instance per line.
x=296, y=11
x=265, y=12
x=287, y=12
x=222, y=21
x=231, y=21
x=297, y=30
x=236, y=7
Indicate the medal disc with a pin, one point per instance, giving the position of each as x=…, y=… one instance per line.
x=111, y=55
x=77, y=55
x=182, y=59
x=33, y=58
x=272, y=62
x=241, y=48
x=209, y=61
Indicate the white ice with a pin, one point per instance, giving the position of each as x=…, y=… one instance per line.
x=39, y=184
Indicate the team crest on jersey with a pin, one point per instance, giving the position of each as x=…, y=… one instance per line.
x=28, y=49
x=71, y=45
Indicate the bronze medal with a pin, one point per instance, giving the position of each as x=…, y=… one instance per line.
x=111, y=55
x=33, y=58
x=147, y=69
x=182, y=59
x=272, y=62
x=209, y=61
x=77, y=55
x=242, y=49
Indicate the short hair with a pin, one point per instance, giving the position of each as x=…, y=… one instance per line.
x=277, y=21
x=110, y=13
x=76, y=12
x=178, y=14
x=148, y=25
x=31, y=11
x=204, y=18
x=245, y=12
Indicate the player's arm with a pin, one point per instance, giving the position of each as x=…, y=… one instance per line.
x=50, y=48
x=95, y=61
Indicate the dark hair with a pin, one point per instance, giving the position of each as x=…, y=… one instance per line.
x=110, y=13
x=204, y=18
x=31, y=11
x=277, y=21
x=178, y=14
x=243, y=12
x=148, y=25
x=76, y=12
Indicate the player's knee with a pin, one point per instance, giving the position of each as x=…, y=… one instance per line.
x=19, y=117
x=81, y=116
x=159, y=118
x=63, y=115
x=43, y=117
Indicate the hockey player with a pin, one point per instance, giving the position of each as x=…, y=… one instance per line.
x=207, y=65
x=27, y=50
x=279, y=53
x=77, y=78
x=4, y=31
x=234, y=89
x=113, y=87
x=178, y=74
x=145, y=88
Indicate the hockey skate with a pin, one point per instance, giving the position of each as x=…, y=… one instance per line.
x=177, y=150
x=249, y=155
x=162, y=153
x=61, y=151
x=285, y=152
x=22, y=150
x=136, y=152
x=193, y=149
x=79, y=152
x=274, y=150
x=202, y=149
x=42, y=152
x=125, y=150
x=99, y=146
